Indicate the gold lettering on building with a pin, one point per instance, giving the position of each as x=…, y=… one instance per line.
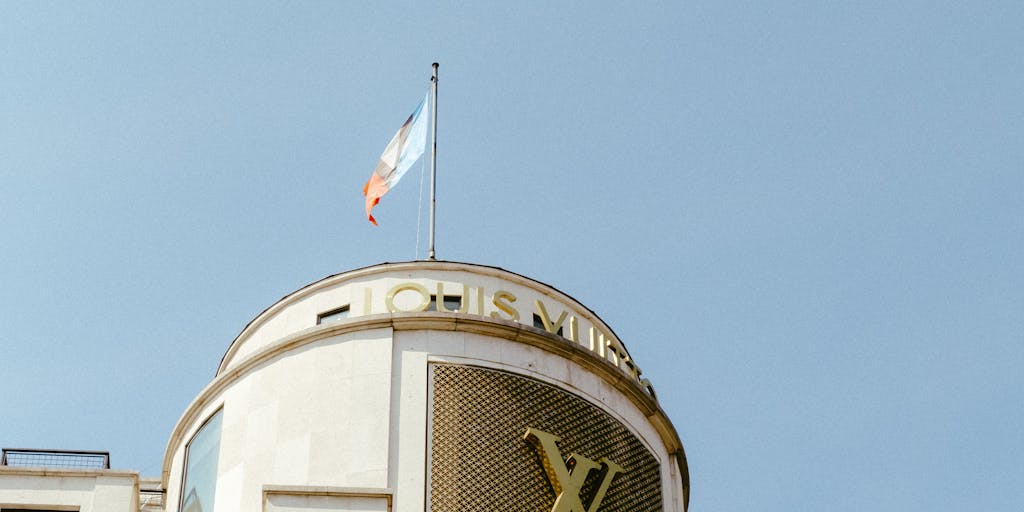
x=615, y=348
x=463, y=301
x=545, y=319
x=631, y=367
x=503, y=300
x=574, y=329
x=597, y=343
x=367, y=301
x=603, y=346
x=389, y=300
x=567, y=476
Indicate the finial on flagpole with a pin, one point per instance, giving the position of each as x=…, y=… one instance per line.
x=433, y=160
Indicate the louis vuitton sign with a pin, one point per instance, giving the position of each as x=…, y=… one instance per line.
x=465, y=298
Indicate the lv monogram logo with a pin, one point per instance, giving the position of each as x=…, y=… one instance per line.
x=568, y=476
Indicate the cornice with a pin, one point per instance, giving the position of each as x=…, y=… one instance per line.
x=68, y=473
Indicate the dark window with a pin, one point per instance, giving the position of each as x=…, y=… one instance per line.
x=333, y=315
x=451, y=303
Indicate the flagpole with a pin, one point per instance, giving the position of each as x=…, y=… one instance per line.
x=433, y=161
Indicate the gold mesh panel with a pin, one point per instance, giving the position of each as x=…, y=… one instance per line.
x=480, y=462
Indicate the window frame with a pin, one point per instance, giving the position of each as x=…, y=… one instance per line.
x=188, y=448
x=320, y=317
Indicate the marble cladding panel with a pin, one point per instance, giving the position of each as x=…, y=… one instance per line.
x=86, y=493
x=317, y=414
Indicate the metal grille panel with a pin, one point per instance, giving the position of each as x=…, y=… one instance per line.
x=75, y=459
x=480, y=462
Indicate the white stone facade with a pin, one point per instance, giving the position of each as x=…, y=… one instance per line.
x=77, y=490
x=335, y=415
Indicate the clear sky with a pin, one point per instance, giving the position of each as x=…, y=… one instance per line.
x=805, y=219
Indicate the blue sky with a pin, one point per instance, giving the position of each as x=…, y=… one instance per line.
x=805, y=219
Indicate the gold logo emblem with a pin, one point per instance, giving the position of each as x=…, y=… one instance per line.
x=567, y=476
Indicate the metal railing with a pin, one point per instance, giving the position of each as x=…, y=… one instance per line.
x=72, y=459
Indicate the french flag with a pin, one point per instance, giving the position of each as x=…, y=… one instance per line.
x=404, y=149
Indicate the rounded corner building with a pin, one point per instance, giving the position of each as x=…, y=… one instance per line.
x=426, y=386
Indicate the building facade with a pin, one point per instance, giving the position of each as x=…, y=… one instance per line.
x=419, y=386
